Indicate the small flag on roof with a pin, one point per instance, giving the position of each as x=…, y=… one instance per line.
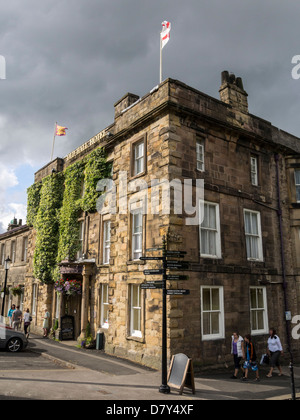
x=60, y=131
x=165, y=33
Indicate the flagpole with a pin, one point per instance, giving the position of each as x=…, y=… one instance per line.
x=160, y=67
x=53, y=142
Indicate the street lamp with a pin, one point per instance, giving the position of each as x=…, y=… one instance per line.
x=6, y=267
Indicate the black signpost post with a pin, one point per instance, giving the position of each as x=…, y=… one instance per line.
x=167, y=265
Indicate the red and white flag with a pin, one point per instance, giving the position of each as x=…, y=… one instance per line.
x=165, y=33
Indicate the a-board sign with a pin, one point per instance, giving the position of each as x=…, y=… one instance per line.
x=67, y=328
x=181, y=373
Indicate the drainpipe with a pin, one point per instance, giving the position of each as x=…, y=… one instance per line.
x=284, y=278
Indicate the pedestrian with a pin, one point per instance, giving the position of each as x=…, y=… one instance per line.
x=27, y=320
x=238, y=352
x=250, y=356
x=17, y=318
x=274, y=350
x=46, y=323
x=10, y=314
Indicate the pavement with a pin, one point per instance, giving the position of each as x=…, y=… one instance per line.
x=50, y=370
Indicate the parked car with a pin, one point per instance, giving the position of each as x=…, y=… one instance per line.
x=12, y=340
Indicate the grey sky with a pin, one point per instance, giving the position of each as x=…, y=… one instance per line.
x=71, y=60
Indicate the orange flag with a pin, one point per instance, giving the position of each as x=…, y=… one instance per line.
x=60, y=131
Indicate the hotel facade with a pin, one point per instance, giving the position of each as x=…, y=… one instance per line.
x=242, y=246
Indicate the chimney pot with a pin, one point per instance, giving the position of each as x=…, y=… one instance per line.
x=232, y=92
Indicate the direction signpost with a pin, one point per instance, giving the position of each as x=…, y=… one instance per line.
x=153, y=272
x=162, y=284
x=151, y=286
x=175, y=277
x=179, y=292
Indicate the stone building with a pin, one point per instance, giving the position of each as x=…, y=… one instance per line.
x=241, y=256
x=14, y=244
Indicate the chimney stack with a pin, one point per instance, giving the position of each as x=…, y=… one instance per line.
x=232, y=92
x=125, y=102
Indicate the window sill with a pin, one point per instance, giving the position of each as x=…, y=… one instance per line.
x=213, y=338
x=135, y=338
x=210, y=257
x=133, y=177
x=258, y=333
x=199, y=171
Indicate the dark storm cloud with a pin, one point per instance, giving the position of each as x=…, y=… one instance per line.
x=70, y=60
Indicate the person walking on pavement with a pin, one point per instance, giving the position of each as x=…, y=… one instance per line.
x=274, y=350
x=238, y=352
x=10, y=314
x=27, y=320
x=250, y=362
x=46, y=323
x=17, y=318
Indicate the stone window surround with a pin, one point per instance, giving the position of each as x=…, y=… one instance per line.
x=25, y=249
x=132, y=156
x=200, y=140
x=297, y=185
x=218, y=234
x=128, y=315
x=34, y=299
x=105, y=220
x=259, y=236
x=13, y=251
x=221, y=335
x=255, y=182
x=102, y=303
x=130, y=259
x=264, y=309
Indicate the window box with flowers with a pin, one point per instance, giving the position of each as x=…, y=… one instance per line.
x=17, y=291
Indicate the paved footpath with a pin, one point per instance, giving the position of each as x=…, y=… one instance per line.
x=91, y=374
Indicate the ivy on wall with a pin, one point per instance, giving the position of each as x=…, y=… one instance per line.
x=47, y=227
x=68, y=216
x=54, y=206
x=96, y=168
x=33, y=202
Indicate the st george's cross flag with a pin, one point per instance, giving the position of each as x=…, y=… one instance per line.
x=60, y=131
x=165, y=33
